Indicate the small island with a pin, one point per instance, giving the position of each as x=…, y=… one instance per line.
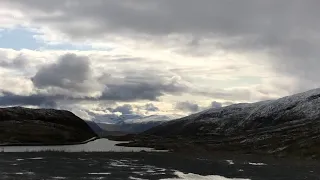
x=24, y=126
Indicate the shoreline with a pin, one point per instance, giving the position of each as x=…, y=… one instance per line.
x=53, y=144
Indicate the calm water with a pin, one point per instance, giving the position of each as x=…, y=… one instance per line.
x=95, y=160
x=99, y=145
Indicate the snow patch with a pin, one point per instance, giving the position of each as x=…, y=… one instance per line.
x=36, y=158
x=150, y=171
x=24, y=173
x=118, y=164
x=135, y=178
x=230, y=162
x=99, y=178
x=257, y=164
x=191, y=176
x=101, y=173
x=59, y=177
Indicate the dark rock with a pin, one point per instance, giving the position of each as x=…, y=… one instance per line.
x=20, y=126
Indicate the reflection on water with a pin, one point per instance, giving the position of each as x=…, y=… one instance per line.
x=99, y=145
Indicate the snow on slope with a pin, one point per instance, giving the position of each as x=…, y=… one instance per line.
x=191, y=176
x=306, y=104
x=249, y=116
x=152, y=118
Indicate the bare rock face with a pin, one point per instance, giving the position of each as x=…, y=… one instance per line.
x=19, y=126
x=287, y=126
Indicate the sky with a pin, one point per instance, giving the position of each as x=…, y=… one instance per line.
x=107, y=58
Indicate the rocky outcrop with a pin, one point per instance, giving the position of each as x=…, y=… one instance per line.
x=21, y=126
x=287, y=126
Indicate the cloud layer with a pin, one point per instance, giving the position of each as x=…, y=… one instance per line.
x=161, y=56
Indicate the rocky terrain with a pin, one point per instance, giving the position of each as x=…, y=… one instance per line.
x=287, y=126
x=23, y=126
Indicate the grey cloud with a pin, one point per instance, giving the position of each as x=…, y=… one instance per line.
x=19, y=62
x=244, y=94
x=151, y=107
x=287, y=30
x=131, y=92
x=263, y=21
x=70, y=72
x=180, y=16
x=142, y=86
x=216, y=104
x=49, y=104
x=9, y=99
x=74, y=74
x=124, y=109
x=187, y=106
x=71, y=75
x=234, y=94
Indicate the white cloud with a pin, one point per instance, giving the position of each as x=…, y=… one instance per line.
x=165, y=51
x=16, y=84
x=171, y=82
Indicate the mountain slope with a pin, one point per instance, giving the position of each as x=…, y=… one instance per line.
x=42, y=126
x=136, y=124
x=239, y=118
x=289, y=125
x=142, y=124
x=153, y=118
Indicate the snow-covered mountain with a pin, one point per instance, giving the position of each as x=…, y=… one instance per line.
x=148, y=119
x=285, y=124
x=135, y=124
x=250, y=116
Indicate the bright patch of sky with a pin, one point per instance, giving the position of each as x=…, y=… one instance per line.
x=22, y=38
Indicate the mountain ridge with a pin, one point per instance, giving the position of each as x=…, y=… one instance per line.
x=288, y=125
x=134, y=125
x=19, y=125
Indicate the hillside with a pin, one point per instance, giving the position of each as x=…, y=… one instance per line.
x=134, y=125
x=21, y=126
x=286, y=126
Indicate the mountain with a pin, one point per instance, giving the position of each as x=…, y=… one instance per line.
x=286, y=126
x=113, y=118
x=21, y=126
x=148, y=119
x=135, y=124
x=96, y=128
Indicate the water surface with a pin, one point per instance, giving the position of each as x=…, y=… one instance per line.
x=98, y=145
x=102, y=159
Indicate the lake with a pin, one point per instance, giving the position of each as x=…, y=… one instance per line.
x=98, y=145
x=101, y=159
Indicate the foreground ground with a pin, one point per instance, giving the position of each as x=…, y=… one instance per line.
x=53, y=165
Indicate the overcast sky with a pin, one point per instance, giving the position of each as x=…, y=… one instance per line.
x=111, y=57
